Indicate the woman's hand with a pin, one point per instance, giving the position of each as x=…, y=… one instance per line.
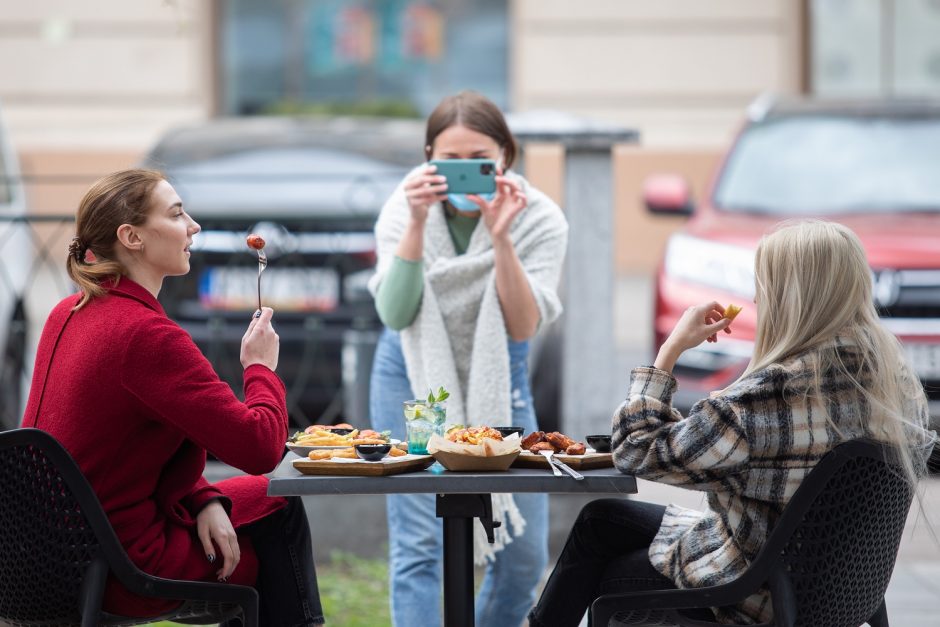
x=215, y=530
x=698, y=324
x=499, y=213
x=260, y=344
x=423, y=188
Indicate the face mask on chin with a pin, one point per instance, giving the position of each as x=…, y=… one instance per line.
x=460, y=202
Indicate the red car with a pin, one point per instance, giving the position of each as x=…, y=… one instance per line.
x=873, y=166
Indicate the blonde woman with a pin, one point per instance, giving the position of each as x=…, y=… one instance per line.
x=824, y=371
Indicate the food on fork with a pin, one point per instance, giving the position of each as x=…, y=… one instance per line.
x=731, y=311
x=255, y=241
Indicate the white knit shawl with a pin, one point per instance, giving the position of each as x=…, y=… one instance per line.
x=458, y=339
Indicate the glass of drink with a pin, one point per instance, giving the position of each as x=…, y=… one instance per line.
x=422, y=420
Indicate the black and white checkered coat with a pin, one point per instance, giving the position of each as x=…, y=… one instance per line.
x=748, y=449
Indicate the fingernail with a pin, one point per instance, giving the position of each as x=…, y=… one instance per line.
x=210, y=557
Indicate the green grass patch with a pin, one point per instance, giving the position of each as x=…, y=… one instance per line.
x=353, y=589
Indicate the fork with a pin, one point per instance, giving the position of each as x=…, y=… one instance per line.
x=548, y=457
x=262, y=264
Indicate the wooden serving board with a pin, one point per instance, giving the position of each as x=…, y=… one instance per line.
x=362, y=468
x=578, y=462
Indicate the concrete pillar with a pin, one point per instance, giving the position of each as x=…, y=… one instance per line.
x=589, y=391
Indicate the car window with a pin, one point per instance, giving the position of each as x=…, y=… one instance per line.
x=833, y=166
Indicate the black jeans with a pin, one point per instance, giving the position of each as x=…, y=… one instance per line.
x=607, y=551
x=287, y=577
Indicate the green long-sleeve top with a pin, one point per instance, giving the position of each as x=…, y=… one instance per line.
x=399, y=294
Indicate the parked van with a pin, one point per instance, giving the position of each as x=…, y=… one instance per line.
x=873, y=166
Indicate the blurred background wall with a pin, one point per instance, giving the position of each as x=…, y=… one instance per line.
x=95, y=83
x=88, y=86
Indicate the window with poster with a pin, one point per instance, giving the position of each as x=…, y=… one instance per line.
x=384, y=57
x=875, y=48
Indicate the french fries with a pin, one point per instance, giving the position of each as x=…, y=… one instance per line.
x=325, y=437
x=731, y=311
x=348, y=453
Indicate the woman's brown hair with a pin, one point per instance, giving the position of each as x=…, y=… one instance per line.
x=475, y=112
x=118, y=198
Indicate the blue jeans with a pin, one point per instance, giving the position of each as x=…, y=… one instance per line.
x=415, y=533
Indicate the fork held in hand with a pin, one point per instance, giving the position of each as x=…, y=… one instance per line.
x=262, y=264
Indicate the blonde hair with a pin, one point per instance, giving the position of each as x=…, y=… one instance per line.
x=813, y=285
x=118, y=198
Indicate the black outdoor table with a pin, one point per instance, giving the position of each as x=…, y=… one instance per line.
x=461, y=497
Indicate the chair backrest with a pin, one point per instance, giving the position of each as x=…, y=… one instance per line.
x=51, y=528
x=835, y=545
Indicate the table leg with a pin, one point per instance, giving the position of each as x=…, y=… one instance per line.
x=459, y=512
x=458, y=572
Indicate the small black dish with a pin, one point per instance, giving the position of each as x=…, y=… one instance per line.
x=341, y=431
x=372, y=452
x=508, y=431
x=600, y=443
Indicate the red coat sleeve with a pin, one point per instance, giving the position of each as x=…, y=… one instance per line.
x=165, y=370
x=202, y=493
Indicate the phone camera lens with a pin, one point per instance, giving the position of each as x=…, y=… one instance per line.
x=486, y=168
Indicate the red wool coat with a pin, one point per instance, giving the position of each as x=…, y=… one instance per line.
x=135, y=402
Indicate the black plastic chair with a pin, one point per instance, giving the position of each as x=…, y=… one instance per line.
x=827, y=562
x=57, y=549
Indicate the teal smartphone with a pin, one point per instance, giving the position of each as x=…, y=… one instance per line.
x=468, y=176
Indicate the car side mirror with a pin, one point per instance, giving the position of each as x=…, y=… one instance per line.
x=668, y=194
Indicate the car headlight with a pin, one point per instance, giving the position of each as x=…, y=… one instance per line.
x=714, y=264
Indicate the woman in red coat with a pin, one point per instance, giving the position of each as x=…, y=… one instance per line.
x=135, y=402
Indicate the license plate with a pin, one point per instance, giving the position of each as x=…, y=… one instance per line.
x=925, y=358
x=283, y=289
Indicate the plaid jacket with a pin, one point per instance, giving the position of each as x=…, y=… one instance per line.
x=748, y=448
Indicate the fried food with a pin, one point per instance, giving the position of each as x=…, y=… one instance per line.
x=559, y=440
x=529, y=440
x=577, y=448
x=731, y=311
x=324, y=454
x=474, y=435
x=255, y=241
x=396, y=452
x=541, y=446
x=341, y=425
x=319, y=437
x=554, y=441
x=366, y=441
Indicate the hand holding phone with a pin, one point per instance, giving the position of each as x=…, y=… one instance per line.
x=467, y=176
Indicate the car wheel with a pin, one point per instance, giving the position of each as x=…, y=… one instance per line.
x=12, y=370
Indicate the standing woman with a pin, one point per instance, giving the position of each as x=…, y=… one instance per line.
x=463, y=282
x=133, y=400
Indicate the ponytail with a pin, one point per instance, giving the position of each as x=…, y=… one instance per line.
x=119, y=198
